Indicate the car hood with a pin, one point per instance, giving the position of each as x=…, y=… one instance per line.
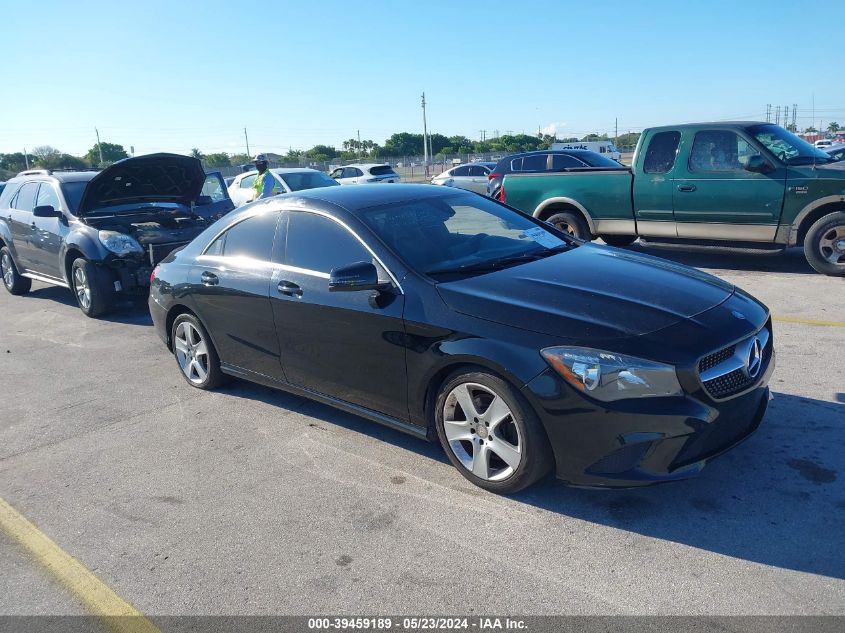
x=591, y=292
x=154, y=178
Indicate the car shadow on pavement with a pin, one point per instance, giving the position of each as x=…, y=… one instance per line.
x=791, y=261
x=127, y=311
x=777, y=499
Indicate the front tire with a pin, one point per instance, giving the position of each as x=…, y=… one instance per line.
x=490, y=434
x=195, y=353
x=90, y=289
x=572, y=223
x=824, y=244
x=12, y=279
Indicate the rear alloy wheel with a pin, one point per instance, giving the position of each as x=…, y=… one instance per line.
x=490, y=434
x=195, y=353
x=619, y=241
x=572, y=223
x=12, y=279
x=824, y=244
x=89, y=288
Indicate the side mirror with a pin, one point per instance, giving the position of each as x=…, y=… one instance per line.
x=357, y=276
x=757, y=164
x=46, y=211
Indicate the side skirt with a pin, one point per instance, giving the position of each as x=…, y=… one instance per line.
x=364, y=412
x=46, y=280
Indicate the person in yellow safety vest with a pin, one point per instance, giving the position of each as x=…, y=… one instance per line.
x=265, y=184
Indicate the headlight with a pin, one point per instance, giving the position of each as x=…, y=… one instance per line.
x=607, y=376
x=119, y=244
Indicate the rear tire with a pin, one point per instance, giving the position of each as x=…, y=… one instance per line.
x=824, y=244
x=619, y=241
x=93, y=296
x=12, y=279
x=490, y=433
x=195, y=353
x=572, y=223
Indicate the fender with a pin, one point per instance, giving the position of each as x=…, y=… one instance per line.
x=807, y=210
x=564, y=200
x=80, y=240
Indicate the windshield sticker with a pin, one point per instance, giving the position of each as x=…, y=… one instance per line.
x=542, y=237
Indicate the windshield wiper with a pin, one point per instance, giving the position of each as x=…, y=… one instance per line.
x=497, y=264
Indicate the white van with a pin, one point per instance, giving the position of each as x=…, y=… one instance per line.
x=607, y=148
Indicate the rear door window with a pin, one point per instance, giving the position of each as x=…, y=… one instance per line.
x=537, y=162
x=460, y=171
x=26, y=197
x=247, y=181
x=252, y=238
x=478, y=170
x=9, y=192
x=382, y=170
x=661, y=152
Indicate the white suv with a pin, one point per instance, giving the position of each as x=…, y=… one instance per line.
x=290, y=179
x=364, y=173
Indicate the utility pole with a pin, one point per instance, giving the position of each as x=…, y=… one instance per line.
x=616, y=130
x=768, y=113
x=359, y=144
x=246, y=138
x=26, y=158
x=99, y=147
x=425, y=137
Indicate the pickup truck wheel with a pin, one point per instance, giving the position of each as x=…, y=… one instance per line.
x=571, y=223
x=90, y=288
x=824, y=244
x=12, y=279
x=619, y=240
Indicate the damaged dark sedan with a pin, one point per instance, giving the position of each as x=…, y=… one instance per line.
x=100, y=233
x=453, y=317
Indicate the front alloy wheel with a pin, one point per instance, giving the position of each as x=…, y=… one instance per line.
x=490, y=433
x=90, y=288
x=824, y=244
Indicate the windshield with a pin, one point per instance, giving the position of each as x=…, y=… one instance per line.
x=459, y=233
x=788, y=147
x=297, y=181
x=73, y=193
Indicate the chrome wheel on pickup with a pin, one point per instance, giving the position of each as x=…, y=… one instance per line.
x=824, y=244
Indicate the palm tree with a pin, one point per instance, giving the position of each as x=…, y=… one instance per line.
x=197, y=154
x=833, y=127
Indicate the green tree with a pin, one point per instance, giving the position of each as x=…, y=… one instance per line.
x=46, y=156
x=197, y=154
x=13, y=162
x=240, y=159
x=833, y=127
x=811, y=130
x=321, y=153
x=111, y=152
x=627, y=140
x=792, y=127
x=219, y=159
x=404, y=144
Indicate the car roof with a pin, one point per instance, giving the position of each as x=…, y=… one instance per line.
x=357, y=197
x=710, y=124
x=366, y=165
x=59, y=176
x=293, y=170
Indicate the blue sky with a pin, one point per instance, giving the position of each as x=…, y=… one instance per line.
x=176, y=75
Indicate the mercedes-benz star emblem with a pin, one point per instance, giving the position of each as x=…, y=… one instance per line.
x=755, y=359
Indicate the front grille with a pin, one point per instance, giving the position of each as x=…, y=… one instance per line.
x=724, y=373
x=708, y=362
x=158, y=252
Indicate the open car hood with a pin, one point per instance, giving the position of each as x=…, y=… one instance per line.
x=154, y=178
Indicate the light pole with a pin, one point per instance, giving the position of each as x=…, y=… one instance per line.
x=425, y=137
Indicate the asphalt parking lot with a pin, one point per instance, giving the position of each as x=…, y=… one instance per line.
x=251, y=501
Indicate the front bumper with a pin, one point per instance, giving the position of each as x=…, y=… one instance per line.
x=641, y=441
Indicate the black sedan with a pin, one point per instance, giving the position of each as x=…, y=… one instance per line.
x=448, y=315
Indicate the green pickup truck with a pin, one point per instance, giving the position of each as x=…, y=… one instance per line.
x=745, y=185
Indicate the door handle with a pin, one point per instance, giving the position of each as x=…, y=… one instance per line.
x=686, y=188
x=289, y=289
x=209, y=279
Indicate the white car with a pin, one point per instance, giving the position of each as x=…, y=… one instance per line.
x=290, y=179
x=823, y=143
x=472, y=177
x=364, y=173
